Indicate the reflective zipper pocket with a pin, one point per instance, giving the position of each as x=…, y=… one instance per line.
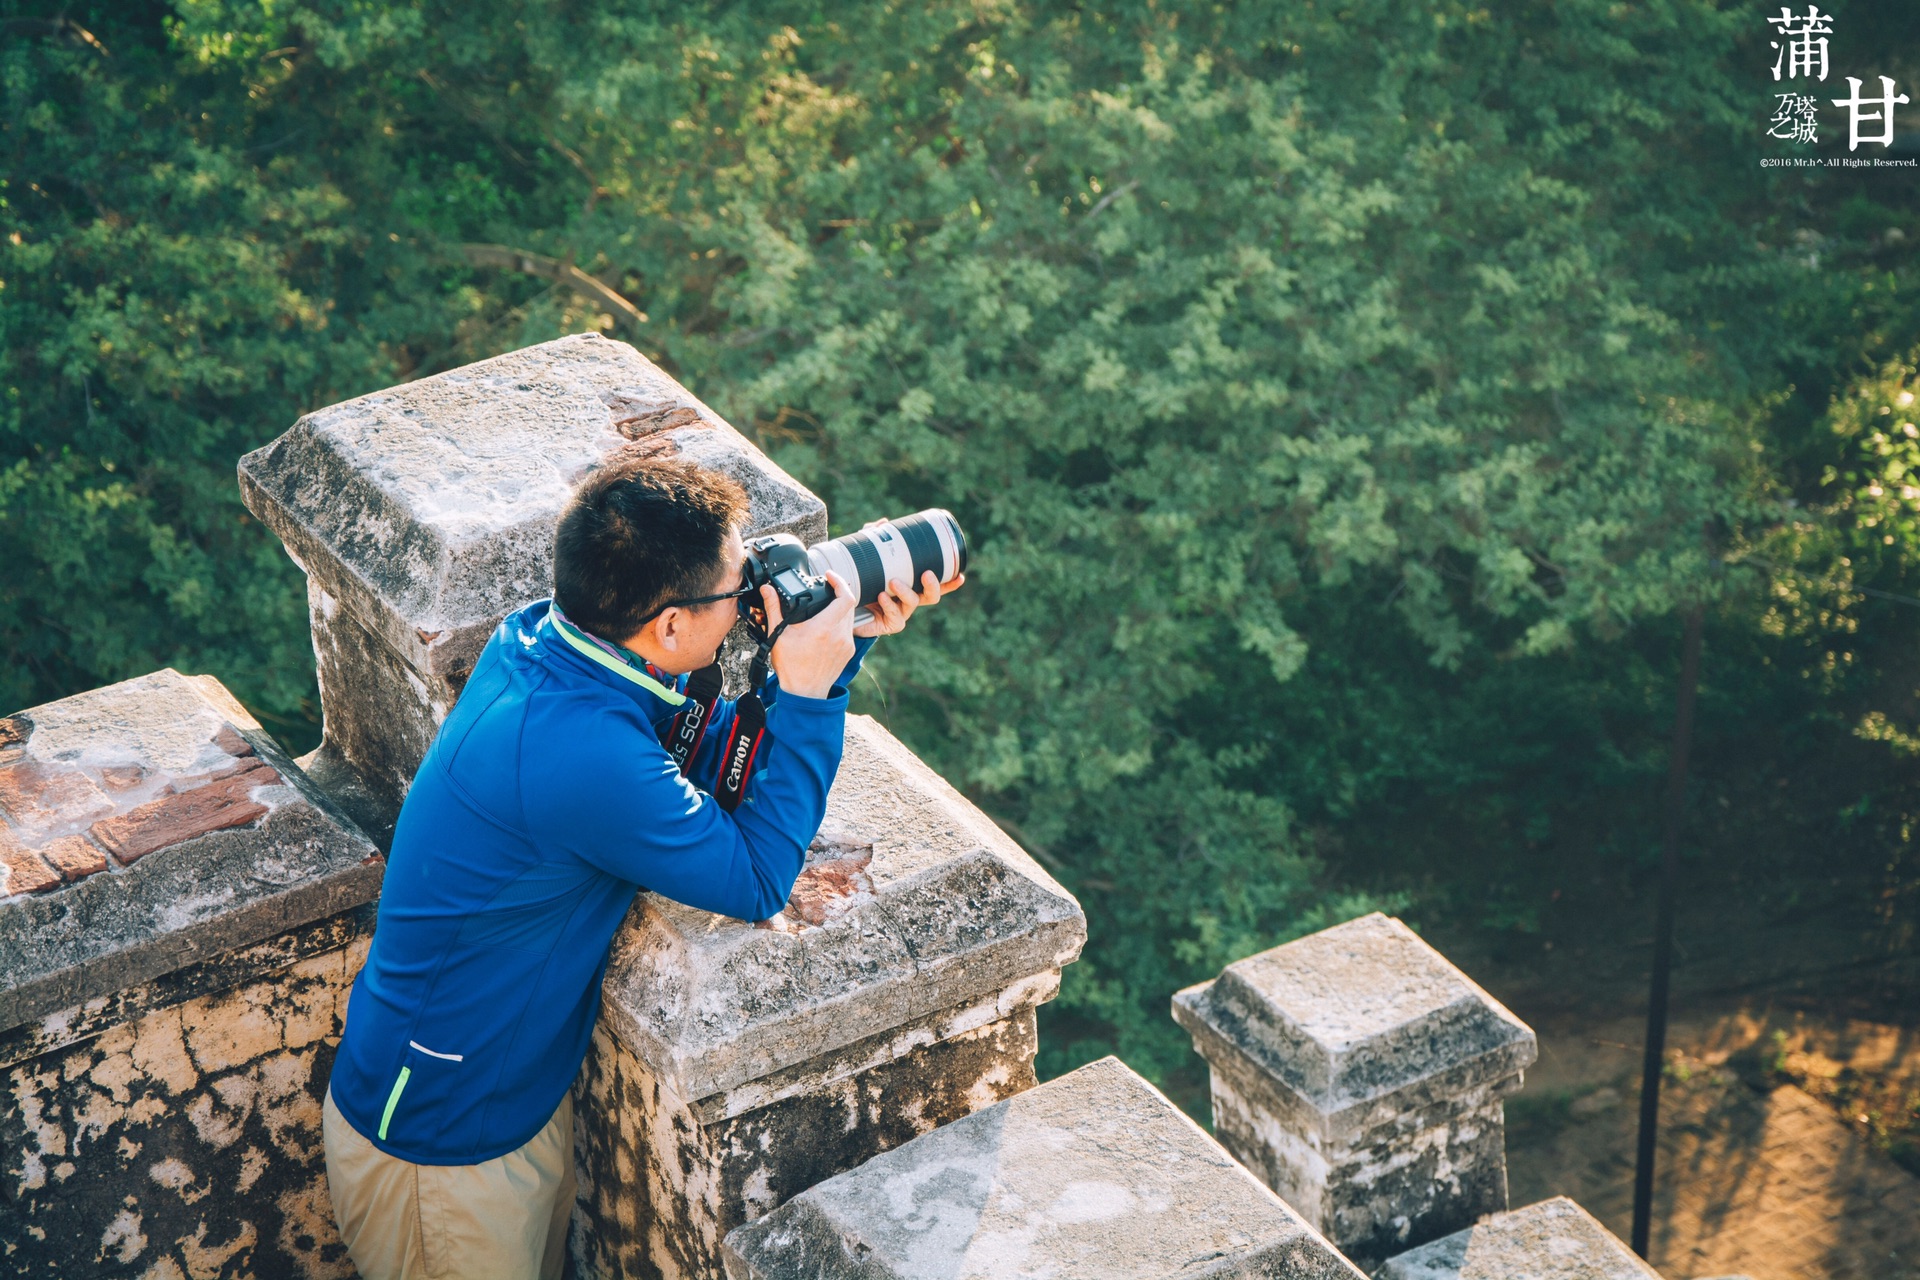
x=393, y=1100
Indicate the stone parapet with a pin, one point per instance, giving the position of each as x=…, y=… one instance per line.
x=422, y=514
x=151, y=824
x=1361, y=1076
x=170, y=995
x=734, y=1064
x=1553, y=1240
x=1093, y=1176
x=739, y=1064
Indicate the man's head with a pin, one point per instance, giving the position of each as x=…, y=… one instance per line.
x=639, y=533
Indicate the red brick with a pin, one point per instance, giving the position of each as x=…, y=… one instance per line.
x=14, y=732
x=74, y=857
x=641, y=425
x=172, y=818
x=827, y=889
x=39, y=796
x=26, y=871
x=123, y=777
x=245, y=764
x=231, y=742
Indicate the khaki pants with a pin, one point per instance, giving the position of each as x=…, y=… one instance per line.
x=502, y=1219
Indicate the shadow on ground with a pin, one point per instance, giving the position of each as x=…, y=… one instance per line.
x=1756, y=1175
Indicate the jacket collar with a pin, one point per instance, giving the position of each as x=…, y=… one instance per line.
x=607, y=657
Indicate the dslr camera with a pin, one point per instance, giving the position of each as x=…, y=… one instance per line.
x=902, y=549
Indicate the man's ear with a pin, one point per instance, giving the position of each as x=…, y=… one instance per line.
x=667, y=630
x=654, y=635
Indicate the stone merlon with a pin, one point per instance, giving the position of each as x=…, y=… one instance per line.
x=1553, y=1240
x=422, y=514
x=737, y=1065
x=1361, y=1075
x=151, y=825
x=428, y=506
x=918, y=905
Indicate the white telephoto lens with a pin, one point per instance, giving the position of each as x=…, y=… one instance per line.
x=894, y=551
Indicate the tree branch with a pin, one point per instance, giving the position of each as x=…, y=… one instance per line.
x=594, y=189
x=54, y=26
x=563, y=273
x=1110, y=197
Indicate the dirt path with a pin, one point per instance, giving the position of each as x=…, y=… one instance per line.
x=1791, y=1110
x=1756, y=1176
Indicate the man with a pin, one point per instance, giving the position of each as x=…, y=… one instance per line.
x=545, y=804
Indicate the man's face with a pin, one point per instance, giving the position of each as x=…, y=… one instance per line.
x=688, y=637
x=708, y=624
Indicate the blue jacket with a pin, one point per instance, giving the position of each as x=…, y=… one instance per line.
x=545, y=803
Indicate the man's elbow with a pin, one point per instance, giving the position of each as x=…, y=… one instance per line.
x=769, y=899
x=767, y=882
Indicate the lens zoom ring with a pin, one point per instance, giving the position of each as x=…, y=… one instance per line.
x=924, y=545
x=866, y=563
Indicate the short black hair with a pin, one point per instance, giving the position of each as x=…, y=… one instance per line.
x=640, y=531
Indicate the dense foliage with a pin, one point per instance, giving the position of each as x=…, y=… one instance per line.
x=1342, y=398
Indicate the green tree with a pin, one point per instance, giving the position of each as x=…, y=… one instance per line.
x=1340, y=398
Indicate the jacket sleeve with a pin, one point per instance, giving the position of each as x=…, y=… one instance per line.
x=612, y=797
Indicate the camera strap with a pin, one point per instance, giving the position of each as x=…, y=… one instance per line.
x=749, y=731
x=683, y=736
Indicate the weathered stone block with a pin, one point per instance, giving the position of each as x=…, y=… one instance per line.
x=1360, y=1076
x=1553, y=1240
x=167, y=1014
x=1094, y=1175
x=173, y=1129
x=736, y=1065
x=423, y=514
x=212, y=849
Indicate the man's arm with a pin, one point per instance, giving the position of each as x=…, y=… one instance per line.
x=614, y=799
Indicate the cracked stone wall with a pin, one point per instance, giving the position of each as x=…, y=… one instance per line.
x=661, y=1184
x=182, y=1143
x=181, y=918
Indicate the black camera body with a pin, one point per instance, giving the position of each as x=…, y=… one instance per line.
x=781, y=559
x=886, y=551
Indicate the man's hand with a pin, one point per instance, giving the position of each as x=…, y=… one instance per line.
x=896, y=604
x=809, y=656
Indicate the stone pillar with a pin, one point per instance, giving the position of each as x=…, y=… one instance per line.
x=181, y=916
x=1553, y=1240
x=423, y=514
x=735, y=1065
x=1360, y=1076
x=1094, y=1174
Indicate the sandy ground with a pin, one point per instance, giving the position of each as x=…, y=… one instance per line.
x=1755, y=1177
x=1794, y=1068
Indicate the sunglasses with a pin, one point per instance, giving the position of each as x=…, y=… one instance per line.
x=744, y=589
